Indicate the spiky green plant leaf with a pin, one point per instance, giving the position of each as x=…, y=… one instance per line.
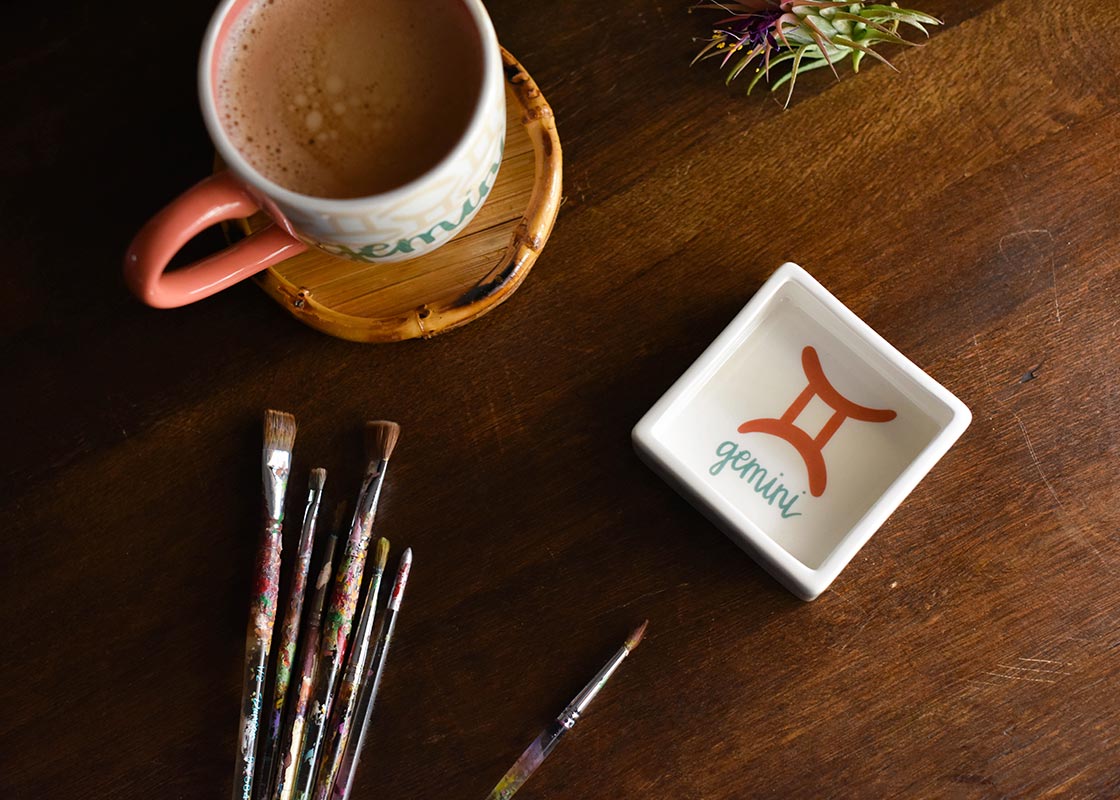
x=805, y=34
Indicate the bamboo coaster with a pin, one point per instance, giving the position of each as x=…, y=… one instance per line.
x=459, y=282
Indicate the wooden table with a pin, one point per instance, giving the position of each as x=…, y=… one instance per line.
x=965, y=208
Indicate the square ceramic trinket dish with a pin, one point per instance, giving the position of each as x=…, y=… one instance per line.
x=799, y=431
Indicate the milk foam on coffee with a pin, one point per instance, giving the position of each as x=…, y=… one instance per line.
x=348, y=98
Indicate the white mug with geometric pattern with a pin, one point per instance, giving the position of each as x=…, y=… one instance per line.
x=396, y=225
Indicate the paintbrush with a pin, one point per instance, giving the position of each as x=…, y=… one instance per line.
x=344, y=781
x=536, y=752
x=284, y=773
x=289, y=630
x=380, y=439
x=279, y=436
x=343, y=713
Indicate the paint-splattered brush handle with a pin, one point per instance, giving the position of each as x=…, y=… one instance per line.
x=346, y=704
x=258, y=638
x=288, y=758
x=331, y=649
x=283, y=779
x=527, y=764
x=289, y=631
x=335, y=635
x=343, y=783
x=335, y=739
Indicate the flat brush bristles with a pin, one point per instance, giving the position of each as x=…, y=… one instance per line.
x=317, y=480
x=279, y=430
x=636, y=637
x=380, y=438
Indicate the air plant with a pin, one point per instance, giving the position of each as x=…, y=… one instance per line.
x=806, y=34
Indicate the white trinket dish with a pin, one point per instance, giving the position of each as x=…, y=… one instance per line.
x=799, y=431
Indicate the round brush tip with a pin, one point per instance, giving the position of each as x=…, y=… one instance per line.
x=636, y=637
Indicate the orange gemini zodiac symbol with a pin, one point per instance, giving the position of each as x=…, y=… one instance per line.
x=811, y=448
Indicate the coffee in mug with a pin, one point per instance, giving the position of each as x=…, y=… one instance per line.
x=348, y=98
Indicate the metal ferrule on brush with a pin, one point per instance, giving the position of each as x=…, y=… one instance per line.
x=570, y=716
x=277, y=465
x=311, y=511
x=367, y=500
x=373, y=492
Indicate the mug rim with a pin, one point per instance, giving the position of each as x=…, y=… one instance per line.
x=234, y=160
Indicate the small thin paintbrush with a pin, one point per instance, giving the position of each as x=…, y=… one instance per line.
x=347, y=700
x=344, y=781
x=536, y=752
x=289, y=629
x=380, y=439
x=279, y=436
x=284, y=773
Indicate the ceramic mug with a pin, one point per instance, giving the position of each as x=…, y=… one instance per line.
x=400, y=224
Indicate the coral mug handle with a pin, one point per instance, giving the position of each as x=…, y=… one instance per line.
x=215, y=199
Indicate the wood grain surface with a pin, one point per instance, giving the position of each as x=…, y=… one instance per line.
x=965, y=208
